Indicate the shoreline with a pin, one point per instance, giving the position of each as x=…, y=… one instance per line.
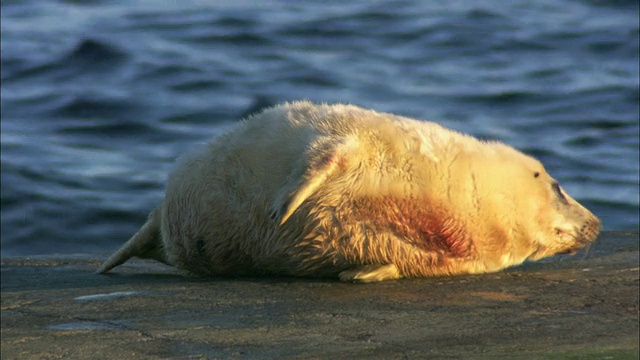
x=581, y=306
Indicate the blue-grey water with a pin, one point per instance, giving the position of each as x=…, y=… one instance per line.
x=100, y=97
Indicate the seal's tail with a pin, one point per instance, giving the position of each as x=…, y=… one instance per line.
x=146, y=243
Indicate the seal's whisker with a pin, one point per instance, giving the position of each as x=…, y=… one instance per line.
x=586, y=251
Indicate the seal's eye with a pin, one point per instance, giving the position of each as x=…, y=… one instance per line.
x=558, y=191
x=536, y=174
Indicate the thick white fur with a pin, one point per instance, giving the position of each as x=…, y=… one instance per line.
x=336, y=190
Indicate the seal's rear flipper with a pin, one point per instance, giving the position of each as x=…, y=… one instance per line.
x=146, y=243
x=371, y=273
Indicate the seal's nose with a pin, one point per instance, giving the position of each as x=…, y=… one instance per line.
x=590, y=229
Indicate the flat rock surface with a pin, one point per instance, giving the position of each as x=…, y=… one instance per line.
x=577, y=307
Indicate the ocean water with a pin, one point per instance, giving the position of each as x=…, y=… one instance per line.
x=99, y=98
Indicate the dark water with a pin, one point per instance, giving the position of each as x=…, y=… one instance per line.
x=98, y=100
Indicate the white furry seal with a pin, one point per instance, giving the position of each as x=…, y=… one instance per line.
x=339, y=191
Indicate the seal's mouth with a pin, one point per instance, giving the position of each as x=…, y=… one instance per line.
x=580, y=242
x=578, y=247
x=571, y=251
x=575, y=241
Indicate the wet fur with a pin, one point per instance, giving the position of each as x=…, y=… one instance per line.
x=339, y=191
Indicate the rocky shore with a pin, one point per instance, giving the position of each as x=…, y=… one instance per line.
x=576, y=307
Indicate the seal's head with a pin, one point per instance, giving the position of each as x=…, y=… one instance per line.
x=539, y=208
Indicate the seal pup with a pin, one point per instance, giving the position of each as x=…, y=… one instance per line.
x=340, y=191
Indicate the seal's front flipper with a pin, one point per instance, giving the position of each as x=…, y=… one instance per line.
x=371, y=273
x=146, y=243
x=311, y=172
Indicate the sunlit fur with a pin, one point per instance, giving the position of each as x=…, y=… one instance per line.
x=339, y=191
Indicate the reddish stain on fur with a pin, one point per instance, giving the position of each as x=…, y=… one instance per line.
x=431, y=229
